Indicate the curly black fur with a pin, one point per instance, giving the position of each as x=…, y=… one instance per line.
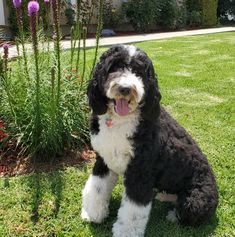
x=165, y=155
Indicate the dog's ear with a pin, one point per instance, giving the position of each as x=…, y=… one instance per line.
x=110, y=61
x=95, y=91
x=151, y=108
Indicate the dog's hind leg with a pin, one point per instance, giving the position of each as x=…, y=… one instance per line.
x=196, y=207
x=97, y=192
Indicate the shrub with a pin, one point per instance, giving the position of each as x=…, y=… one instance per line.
x=113, y=16
x=202, y=12
x=226, y=11
x=194, y=12
x=209, y=12
x=43, y=103
x=171, y=14
x=140, y=14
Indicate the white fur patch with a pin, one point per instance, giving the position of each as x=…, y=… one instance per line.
x=131, y=50
x=113, y=144
x=172, y=217
x=95, y=197
x=132, y=219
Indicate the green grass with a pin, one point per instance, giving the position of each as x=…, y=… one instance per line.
x=197, y=81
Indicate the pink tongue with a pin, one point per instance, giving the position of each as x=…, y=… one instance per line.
x=122, y=107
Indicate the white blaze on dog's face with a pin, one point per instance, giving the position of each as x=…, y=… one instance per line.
x=125, y=90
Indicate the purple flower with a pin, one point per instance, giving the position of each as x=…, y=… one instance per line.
x=6, y=46
x=33, y=8
x=17, y=3
x=5, y=50
x=46, y=1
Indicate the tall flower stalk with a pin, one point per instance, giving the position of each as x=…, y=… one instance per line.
x=84, y=33
x=98, y=32
x=5, y=77
x=17, y=4
x=56, y=19
x=33, y=8
x=5, y=57
x=76, y=36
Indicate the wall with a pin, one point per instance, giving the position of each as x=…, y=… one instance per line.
x=2, y=15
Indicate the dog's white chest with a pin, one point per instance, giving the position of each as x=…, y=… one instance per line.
x=114, y=144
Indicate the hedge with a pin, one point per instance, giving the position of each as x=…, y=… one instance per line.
x=209, y=12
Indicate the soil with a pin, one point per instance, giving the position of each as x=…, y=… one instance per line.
x=14, y=164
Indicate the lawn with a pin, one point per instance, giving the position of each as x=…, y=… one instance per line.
x=197, y=81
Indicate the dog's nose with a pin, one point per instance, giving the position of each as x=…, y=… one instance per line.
x=124, y=90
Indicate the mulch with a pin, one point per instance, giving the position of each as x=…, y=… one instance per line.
x=14, y=163
x=13, y=160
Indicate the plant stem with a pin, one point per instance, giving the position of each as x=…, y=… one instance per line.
x=56, y=13
x=98, y=31
x=37, y=132
x=79, y=47
x=84, y=57
x=22, y=40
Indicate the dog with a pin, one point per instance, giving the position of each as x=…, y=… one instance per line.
x=135, y=137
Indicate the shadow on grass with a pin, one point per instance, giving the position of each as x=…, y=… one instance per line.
x=39, y=184
x=157, y=225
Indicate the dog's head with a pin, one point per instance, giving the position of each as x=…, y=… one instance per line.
x=124, y=81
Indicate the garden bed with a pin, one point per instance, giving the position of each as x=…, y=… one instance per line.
x=14, y=164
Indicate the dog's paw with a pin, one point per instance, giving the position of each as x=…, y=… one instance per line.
x=96, y=216
x=172, y=217
x=121, y=229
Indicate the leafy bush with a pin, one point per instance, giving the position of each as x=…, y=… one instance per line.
x=171, y=14
x=113, y=16
x=202, y=12
x=194, y=12
x=43, y=103
x=226, y=11
x=141, y=14
x=209, y=12
x=145, y=15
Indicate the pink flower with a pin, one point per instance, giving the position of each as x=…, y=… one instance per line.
x=33, y=8
x=17, y=3
x=46, y=1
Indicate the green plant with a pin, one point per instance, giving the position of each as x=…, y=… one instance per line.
x=141, y=14
x=171, y=14
x=194, y=18
x=209, y=12
x=226, y=11
x=46, y=112
x=25, y=21
x=70, y=15
x=197, y=82
x=112, y=16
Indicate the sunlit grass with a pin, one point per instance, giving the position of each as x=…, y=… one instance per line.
x=197, y=81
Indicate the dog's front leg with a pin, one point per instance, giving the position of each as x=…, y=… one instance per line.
x=97, y=192
x=136, y=204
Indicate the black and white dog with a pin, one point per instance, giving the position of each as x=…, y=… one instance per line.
x=135, y=137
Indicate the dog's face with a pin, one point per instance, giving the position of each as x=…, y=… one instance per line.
x=123, y=81
x=125, y=90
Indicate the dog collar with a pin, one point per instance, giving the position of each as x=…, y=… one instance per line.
x=109, y=121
